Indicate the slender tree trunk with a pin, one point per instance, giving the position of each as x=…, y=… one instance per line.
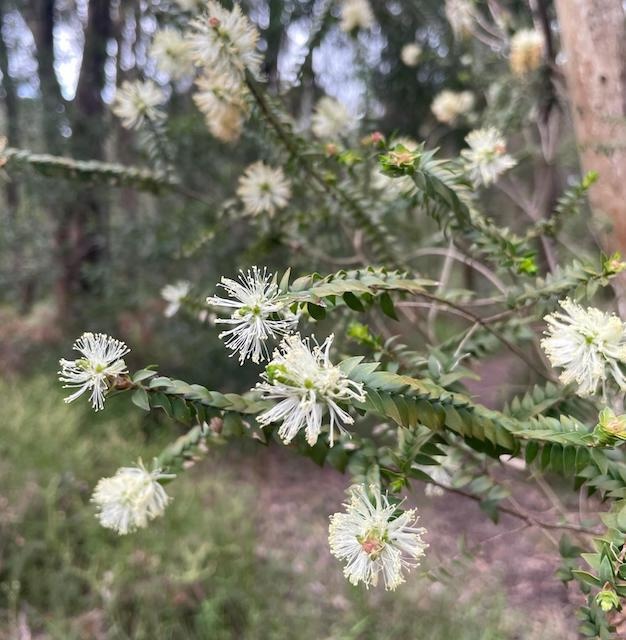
x=546, y=185
x=40, y=18
x=81, y=217
x=24, y=285
x=89, y=208
x=593, y=37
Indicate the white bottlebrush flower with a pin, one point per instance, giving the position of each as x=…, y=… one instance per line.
x=222, y=100
x=263, y=189
x=486, y=159
x=307, y=384
x=449, y=105
x=172, y=53
x=259, y=314
x=174, y=294
x=588, y=344
x=136, y=102
x=460, y=15
x=526, y=51
x=330, y=118
x=130, y=499
x=411, y=54
x=225, y=41
x=356, y=14
x=372, y=541
x=101, y=362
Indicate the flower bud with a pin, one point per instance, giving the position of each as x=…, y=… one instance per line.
x=610, y=427
x=376, y=138
x=607, y=599
x=399, y=161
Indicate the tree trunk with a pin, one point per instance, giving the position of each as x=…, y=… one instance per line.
x=40, y=18
x=81, y=218
x=89, y=208
x=593, y=37
x=22, y=283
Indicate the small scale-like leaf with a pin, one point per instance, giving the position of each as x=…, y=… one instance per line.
x=386, y=304
x=316, y=311
x=353, y=301
x=140, y=399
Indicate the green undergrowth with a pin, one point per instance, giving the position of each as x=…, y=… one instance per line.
x=198, y=573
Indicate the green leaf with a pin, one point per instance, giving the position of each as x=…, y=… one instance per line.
x=161, y=400
x=353, y=301
x=532, y=449
x=621, y=518
x=143, y=374
x=284, y=281
x=490, y=507
x=180, y=410
x=140, y=399
x=588, y=578
x=569, y=461
x=386, y=304
x=418, y=474
x=316, y=311
x=338, y=458
x=606, y=570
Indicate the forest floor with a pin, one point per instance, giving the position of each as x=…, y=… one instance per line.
x=242, y=552
x=519, y=558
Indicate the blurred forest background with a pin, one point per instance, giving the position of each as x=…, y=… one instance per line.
x=77, y=255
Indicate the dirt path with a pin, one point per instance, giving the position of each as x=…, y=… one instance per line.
x=292, y=490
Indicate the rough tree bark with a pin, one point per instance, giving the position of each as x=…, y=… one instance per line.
x=593, y=35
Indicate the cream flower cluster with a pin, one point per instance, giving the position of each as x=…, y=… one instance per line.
x=448, y=105
x=172, y=53
x=130, y=499
x=225, y=41
x=263, y=189
x=259, y=313
x=411, y=54
x=174, y=294
x=330, y=118
x=588, y=344
x=460, y=15
x=307, y=385
x=222, y=99
x=100, y=364
x=224, y=46
x=136, y=102
x=374, y=537
x=486, y=159
x=526, y=51
x=356, y=14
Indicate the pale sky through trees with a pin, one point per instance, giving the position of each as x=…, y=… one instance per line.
x=333, y=62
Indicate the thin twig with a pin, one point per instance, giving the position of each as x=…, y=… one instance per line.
x=464, y=259
x=520, y=515
x=485, y=324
